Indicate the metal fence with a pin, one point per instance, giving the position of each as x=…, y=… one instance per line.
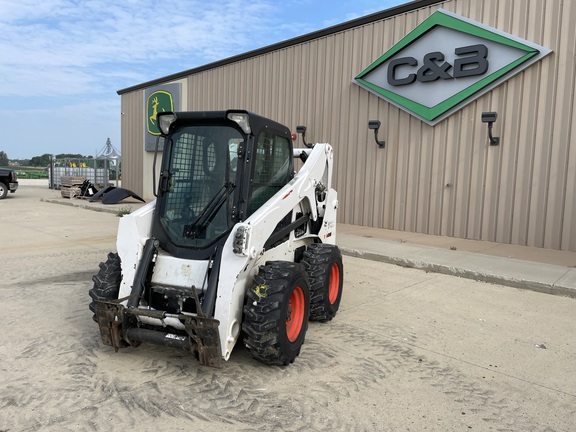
x=102, y=175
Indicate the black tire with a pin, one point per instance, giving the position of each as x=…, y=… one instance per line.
x=3, y=190
x=106, y=281
x=323, y=264
x=276, y=313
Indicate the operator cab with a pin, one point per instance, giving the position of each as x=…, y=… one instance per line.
x=218, y=168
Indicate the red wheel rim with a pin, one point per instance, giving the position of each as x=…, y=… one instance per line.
x=334, y=283
x=295, y=314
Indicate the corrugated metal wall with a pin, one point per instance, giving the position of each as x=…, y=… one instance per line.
x=443, y=180
x=132, y=145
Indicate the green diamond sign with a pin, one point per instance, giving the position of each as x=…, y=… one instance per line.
x=445, y=63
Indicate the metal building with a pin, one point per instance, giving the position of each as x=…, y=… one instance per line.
x=427, y=71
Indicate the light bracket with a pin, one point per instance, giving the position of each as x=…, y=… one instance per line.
x=375, y=125
x=490, y=118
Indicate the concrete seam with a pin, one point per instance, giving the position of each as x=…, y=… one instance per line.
x=541, y=287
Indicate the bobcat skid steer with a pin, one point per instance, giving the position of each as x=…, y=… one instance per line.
x=235, y=242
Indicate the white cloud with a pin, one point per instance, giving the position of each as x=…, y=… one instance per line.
x=69, y=45
x=63, y=39
x=65, y=59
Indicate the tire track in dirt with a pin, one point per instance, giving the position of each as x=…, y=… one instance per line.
x=53, y=268
x=167, y=382
x=171, y=383
x=498, y=405
x=62, y=373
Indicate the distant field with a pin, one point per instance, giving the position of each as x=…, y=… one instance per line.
x=31, y=172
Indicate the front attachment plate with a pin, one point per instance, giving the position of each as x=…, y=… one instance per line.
x=115, y=321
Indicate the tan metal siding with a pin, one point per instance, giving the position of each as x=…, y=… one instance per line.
x=132, y=136
x=561, y=126
x=443, y=180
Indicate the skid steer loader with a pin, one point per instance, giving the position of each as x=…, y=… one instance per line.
x=235, y=243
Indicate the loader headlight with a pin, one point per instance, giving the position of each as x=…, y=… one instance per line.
x=165, y=120
x=241, y=239
x=242, y=119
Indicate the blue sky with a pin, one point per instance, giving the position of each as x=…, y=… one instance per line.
x=63, y=60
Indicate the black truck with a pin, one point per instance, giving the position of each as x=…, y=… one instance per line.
x=8, y=182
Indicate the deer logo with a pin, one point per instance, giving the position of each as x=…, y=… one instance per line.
x=155, y=104
x=159, y=101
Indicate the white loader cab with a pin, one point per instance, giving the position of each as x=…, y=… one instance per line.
x=235, y=242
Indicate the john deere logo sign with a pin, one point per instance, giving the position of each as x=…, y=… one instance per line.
x=445, y=63
x=159, y=101
x=160, y=98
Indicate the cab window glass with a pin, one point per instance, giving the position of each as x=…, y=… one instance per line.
x=273, y=168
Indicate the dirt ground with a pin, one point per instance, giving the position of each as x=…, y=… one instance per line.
x=408, y=350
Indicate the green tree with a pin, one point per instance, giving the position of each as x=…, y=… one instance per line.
x=42, y=161
x=3, y=159
x=70, y=156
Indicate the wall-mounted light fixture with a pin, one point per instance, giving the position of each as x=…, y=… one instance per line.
x=490, y=118
x=302, y=131
x=375, y=124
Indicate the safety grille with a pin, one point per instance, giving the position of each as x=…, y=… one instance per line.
x=190, y=183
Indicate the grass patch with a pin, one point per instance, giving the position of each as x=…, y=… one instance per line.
x=123, y=211
x=31, y=172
